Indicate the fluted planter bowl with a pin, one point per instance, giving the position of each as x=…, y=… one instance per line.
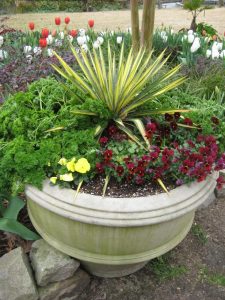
x=114, y=237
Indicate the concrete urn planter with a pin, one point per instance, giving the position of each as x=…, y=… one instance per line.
x=114, y=237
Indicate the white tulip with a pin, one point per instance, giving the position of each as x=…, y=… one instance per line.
x=190, y=31
x=82, y=32
x=81, y=40
x=1, y=40
x=102, y=33
x=191, y=38
x=58, y=43
x=37, y=50
x=27, y=49
x=87, y=38
x=164, y=38
x=112, y=32
x=100, y=40
x=96, y=45
x=196, y=45
x=61, y=35
x=183, y=60
x=70, y=38
x=49, y=39
x=208, y=53
x=50, y=52
x=215, y=53
x=222, y=54
x=219, y=46
x=184, y=38
x=171, y=31
x=3, y=54
x=84, y=47
x=162, y=33
x=119, y=39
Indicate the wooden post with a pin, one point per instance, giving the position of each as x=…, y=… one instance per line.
x=135, y=25
x=148, y=23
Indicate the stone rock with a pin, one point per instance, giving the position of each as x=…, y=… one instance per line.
x=16, y=279
x=68, y=289
x=51, y=265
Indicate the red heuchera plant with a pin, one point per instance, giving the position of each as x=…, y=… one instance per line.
x=183, y=161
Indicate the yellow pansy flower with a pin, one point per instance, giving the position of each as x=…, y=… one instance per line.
x=53, y=180
x=82, y=166
x=71, y=165
x=62, y=161
x=66, y=177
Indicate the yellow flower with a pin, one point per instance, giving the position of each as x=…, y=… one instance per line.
x=53, y=179
x=82, y=166
x=66, y=177
x=62, y=161
x=71, y=165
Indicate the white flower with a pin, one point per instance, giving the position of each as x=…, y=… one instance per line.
x=184, y=38
x=81, y=40
x=162, y=33
x=222, y=54
x=215, y=53
x=171, y=31
x=29, y=58
x=96, y=45
x=37, y=50
x=50, y=52
x=191, y=38
x=82, y=32
x=87, y=38
x=183, y=60
x=190, y=31
x=112, y=32
x=27, y=49
x=164, y=38
x=103, y=33
x=3, y=54
x=129, y=30
x=119, y=39
x=219, y=46
x=49, y=39
x=1, y=40
x=100, y=40
x=84, y=47
x=70, y=38
x=207, y=39
x=58, y=43
x=196, y=45
x=61, y=35
x=208, y=53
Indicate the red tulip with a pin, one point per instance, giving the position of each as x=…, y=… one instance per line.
x=91, y=23
x=73, y=32
x=57, y=21
x=45, y=33
x=31, y=25
x=43, y=42
x=67, y=20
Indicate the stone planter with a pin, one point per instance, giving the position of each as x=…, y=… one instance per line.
x=114, y=237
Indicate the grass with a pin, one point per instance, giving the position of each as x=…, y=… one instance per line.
x=164, y=270
x=216, y=279
x=198, y=231
x=177, y=18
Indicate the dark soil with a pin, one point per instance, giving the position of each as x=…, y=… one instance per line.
x=125, y=189
x=164, y=279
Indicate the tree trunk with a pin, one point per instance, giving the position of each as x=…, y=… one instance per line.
x=148, y=23
x=193, y=24
x=135, y=25
x=221, y=3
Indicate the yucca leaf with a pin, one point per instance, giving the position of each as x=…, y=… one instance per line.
x=54, y=129
x=84, y=112
x=98, y=130
x=158, y=112
x=78, y=189
x=162, y=185
x=105, y=185
x=140, y=126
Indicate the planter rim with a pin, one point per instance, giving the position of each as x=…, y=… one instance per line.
x=122, y=212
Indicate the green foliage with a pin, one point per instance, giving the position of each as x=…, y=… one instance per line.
x=9, y=211
x=209, y=29
x=25, y=145
x=164, y=270
x=216, y=279
x=198, y=231
x=193, y=5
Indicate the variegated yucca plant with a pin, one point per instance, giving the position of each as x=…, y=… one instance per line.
x=124, y=87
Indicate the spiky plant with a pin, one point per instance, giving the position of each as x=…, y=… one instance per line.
x=124, y=87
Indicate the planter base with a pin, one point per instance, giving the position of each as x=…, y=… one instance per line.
x=113, y=266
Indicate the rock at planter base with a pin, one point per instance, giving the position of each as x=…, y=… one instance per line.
x=16, y=279
x=51, y=265
x=68, y=289
x=208, y=201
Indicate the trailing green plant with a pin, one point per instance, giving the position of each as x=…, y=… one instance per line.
x=9, y=211
x=215, y=278
x=198, y=231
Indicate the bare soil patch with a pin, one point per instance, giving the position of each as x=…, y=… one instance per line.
x=177, y=18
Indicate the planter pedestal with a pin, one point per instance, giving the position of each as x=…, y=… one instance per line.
x=114, y=237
